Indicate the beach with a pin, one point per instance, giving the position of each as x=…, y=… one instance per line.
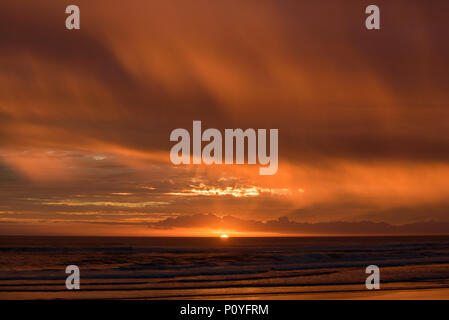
x=234, y=268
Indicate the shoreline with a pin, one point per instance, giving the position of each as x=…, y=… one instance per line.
x=388, y=291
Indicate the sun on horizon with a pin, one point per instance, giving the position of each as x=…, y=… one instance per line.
x=224, y=236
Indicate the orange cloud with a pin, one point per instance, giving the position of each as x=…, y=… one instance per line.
x=362, y=117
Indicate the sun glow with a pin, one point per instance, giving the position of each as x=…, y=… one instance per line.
x=224, y=236
x=238, y=192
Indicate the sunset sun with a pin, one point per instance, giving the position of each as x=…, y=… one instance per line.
x=224, y=236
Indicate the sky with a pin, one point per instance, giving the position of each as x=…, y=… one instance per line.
x=86, y=115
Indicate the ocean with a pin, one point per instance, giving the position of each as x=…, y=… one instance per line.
x=215, y=268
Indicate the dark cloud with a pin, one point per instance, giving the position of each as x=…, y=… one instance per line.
x=285, y=226
x=313, y=71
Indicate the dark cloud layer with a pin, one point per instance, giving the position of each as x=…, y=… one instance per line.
x=285, y=226
x=334, y=89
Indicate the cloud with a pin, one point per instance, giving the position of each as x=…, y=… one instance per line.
x=234, y=191
x=362, y=116
x=284, y=226
x=334, y=91
x=78, y=203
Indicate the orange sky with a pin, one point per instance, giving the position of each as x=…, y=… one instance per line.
x=85, y=116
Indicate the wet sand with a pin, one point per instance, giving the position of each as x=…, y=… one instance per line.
x=396, y=291
x=409, y=291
